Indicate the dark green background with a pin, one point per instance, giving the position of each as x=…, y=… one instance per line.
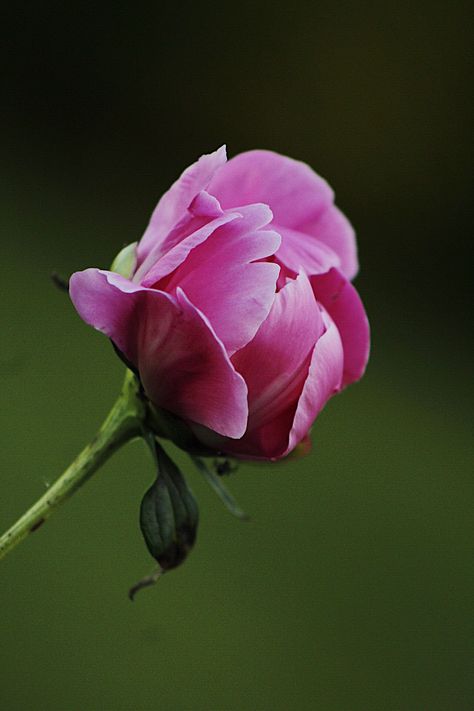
x=351, y=589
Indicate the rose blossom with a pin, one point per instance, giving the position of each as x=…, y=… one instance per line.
x=238, y=312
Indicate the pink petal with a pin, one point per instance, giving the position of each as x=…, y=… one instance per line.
x=301, y=251
x=299, y=198
x=223, y=280
x=172, y=206
x=203, y=215
x=275, y=366
x=205, y=205
x=323, y=381
x=106, y=307
x=334, y=230
x=272, y=363
x=292, y=189
x=283, y=422
x=345, y=307
x=157, y=266
x=203, y=209
x=183, y=366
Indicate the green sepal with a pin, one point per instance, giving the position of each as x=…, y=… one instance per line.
x=169, y=514
x=167, y=425
x=218, y=487
x=126, y=261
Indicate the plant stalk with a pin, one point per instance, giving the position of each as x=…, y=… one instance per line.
x=122, y=424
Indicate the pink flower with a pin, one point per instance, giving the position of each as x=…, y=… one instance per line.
x=238, y=312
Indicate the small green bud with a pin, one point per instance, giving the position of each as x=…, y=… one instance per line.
x=126, y=261
x=169, y=515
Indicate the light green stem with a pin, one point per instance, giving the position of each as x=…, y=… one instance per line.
x=122, y=424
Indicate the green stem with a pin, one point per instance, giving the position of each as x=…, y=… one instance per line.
x=122, y=424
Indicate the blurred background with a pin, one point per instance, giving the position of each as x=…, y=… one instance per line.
x=351, y=588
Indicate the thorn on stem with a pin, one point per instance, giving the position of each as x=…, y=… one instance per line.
x=60, y=282
x=36, y=525
x=145, y=582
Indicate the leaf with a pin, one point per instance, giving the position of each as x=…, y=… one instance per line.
x=216, y=484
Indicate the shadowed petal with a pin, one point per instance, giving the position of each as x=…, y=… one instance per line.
x=275, y=365
x=323, y=381
x=342, y=302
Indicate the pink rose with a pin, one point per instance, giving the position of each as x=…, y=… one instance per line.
x=237, y=311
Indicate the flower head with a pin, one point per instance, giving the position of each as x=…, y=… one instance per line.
x=236, y=307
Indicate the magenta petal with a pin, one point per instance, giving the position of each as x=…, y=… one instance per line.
x=300, y=250
x=345, y=307
x=150, y=274
x=205, y=205
x=300, y=200
x=275, y=366
x=291, y=188
x=107, y=308
x=172, y=206
x=224, y=280
x=323, y=381
x=271, y=364
x=315, y=383
x=201, y=214
x=183, y=366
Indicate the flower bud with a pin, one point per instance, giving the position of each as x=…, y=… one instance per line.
x=169, y=515
x=236, y=307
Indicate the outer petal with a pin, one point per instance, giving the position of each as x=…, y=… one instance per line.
x=345, y=307
x=299, y=198
x=172, y=206
x=323, y=381
x=223, y=279
x=183, y=366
